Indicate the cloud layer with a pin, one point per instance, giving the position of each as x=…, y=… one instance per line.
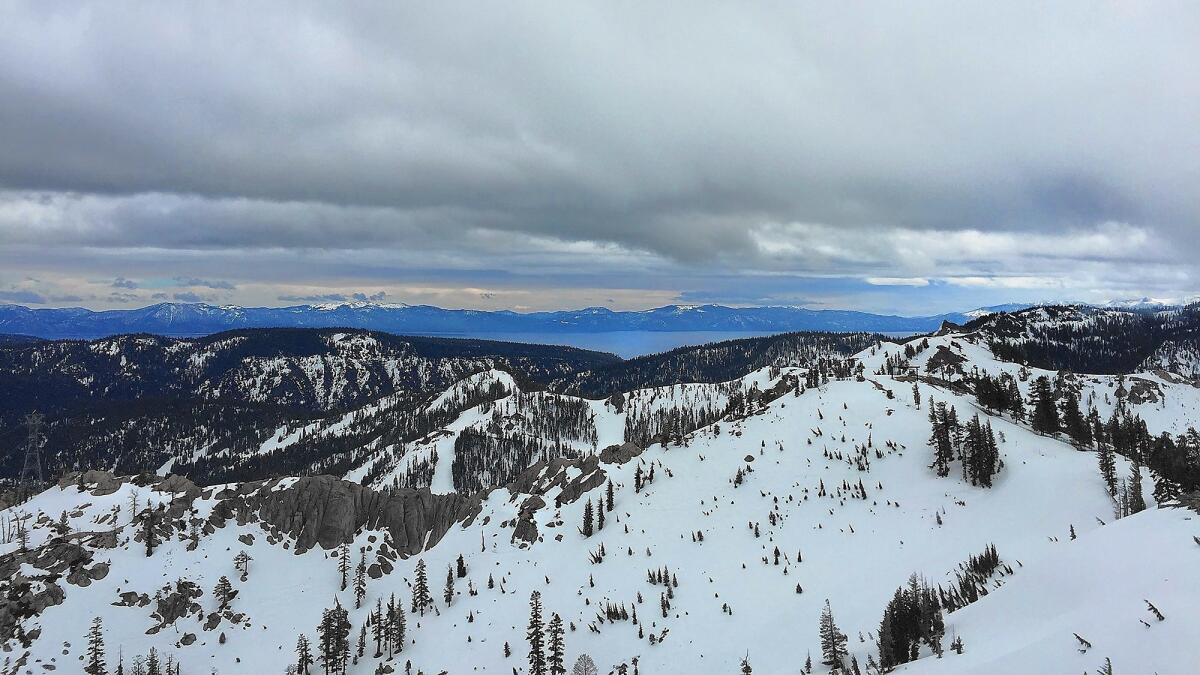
x=570, y=154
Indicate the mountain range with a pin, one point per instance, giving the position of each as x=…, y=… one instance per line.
x=192, y=319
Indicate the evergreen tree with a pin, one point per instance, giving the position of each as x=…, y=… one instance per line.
x=422, y=600
x=587, y=518
x=1015, y=401
x=241, y=563
x=1137, y=503
x=833, y=641
x=223, y=592
x=344, y=564
x=916, y=395
x=360, y=578
x=95, y=649
x=1045, y=413
x=396, y=626
x=1073, y=421
x=448, y=593
x=148, y=531
x=153, y=666
x=378, y=626
x=1108, y=467
x=940, y=438
x=609, y=497
x=462, y=567
x=334, y=635
x=304, y=658
x=535, y=636
x=554, y=636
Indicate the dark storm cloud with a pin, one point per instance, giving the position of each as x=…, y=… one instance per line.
x=896, y=141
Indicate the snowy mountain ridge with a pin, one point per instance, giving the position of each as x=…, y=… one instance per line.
x=728, y=531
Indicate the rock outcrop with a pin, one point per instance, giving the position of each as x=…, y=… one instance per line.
x=326, y=511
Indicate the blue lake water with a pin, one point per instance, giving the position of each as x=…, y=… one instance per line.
x=625, y=343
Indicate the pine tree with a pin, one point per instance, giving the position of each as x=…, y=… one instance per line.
x=746, y=669
x=833, y=641
x=887, y=645
x=599, y=514
x=448, y=593
x=587, y=518
x=344, y=564
x=148, y=531
x=304, y=658
x=422, y=600
x=940, y=421
x=153, y=667
x=554, y=635
x=378, y=627
x=1137, y=503
x=241, y=563
x=462, y=567
x=537, y=657
x=1073, y=421
x=360, y=578
x=334, y=634
x=223, y=592
x=1045, y=413
x=1108, y=467
x=396, y=626
x=916, y=395
x=609, y=496
x=95, y=649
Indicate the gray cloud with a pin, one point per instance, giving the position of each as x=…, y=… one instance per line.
x=544, y=145
x=188, y=296
x=122, y=282
x=21, y=296
x=216, y=284
x=336, y=297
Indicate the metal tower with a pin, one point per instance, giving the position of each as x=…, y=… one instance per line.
x=31, y=472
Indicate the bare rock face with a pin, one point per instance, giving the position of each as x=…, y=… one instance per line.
x=1144, y=391
x=99, y=483
x=327, y=512
x=525, y=531
x=175, y=604
x=619, y=454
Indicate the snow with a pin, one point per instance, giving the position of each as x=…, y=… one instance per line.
x=1088, y=587
x=855, y=552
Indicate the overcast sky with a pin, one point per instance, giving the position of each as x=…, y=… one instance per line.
x=903, y=157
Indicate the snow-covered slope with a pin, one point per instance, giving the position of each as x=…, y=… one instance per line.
x=836, y=477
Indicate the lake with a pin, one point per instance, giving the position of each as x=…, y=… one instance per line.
x=625, y=343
